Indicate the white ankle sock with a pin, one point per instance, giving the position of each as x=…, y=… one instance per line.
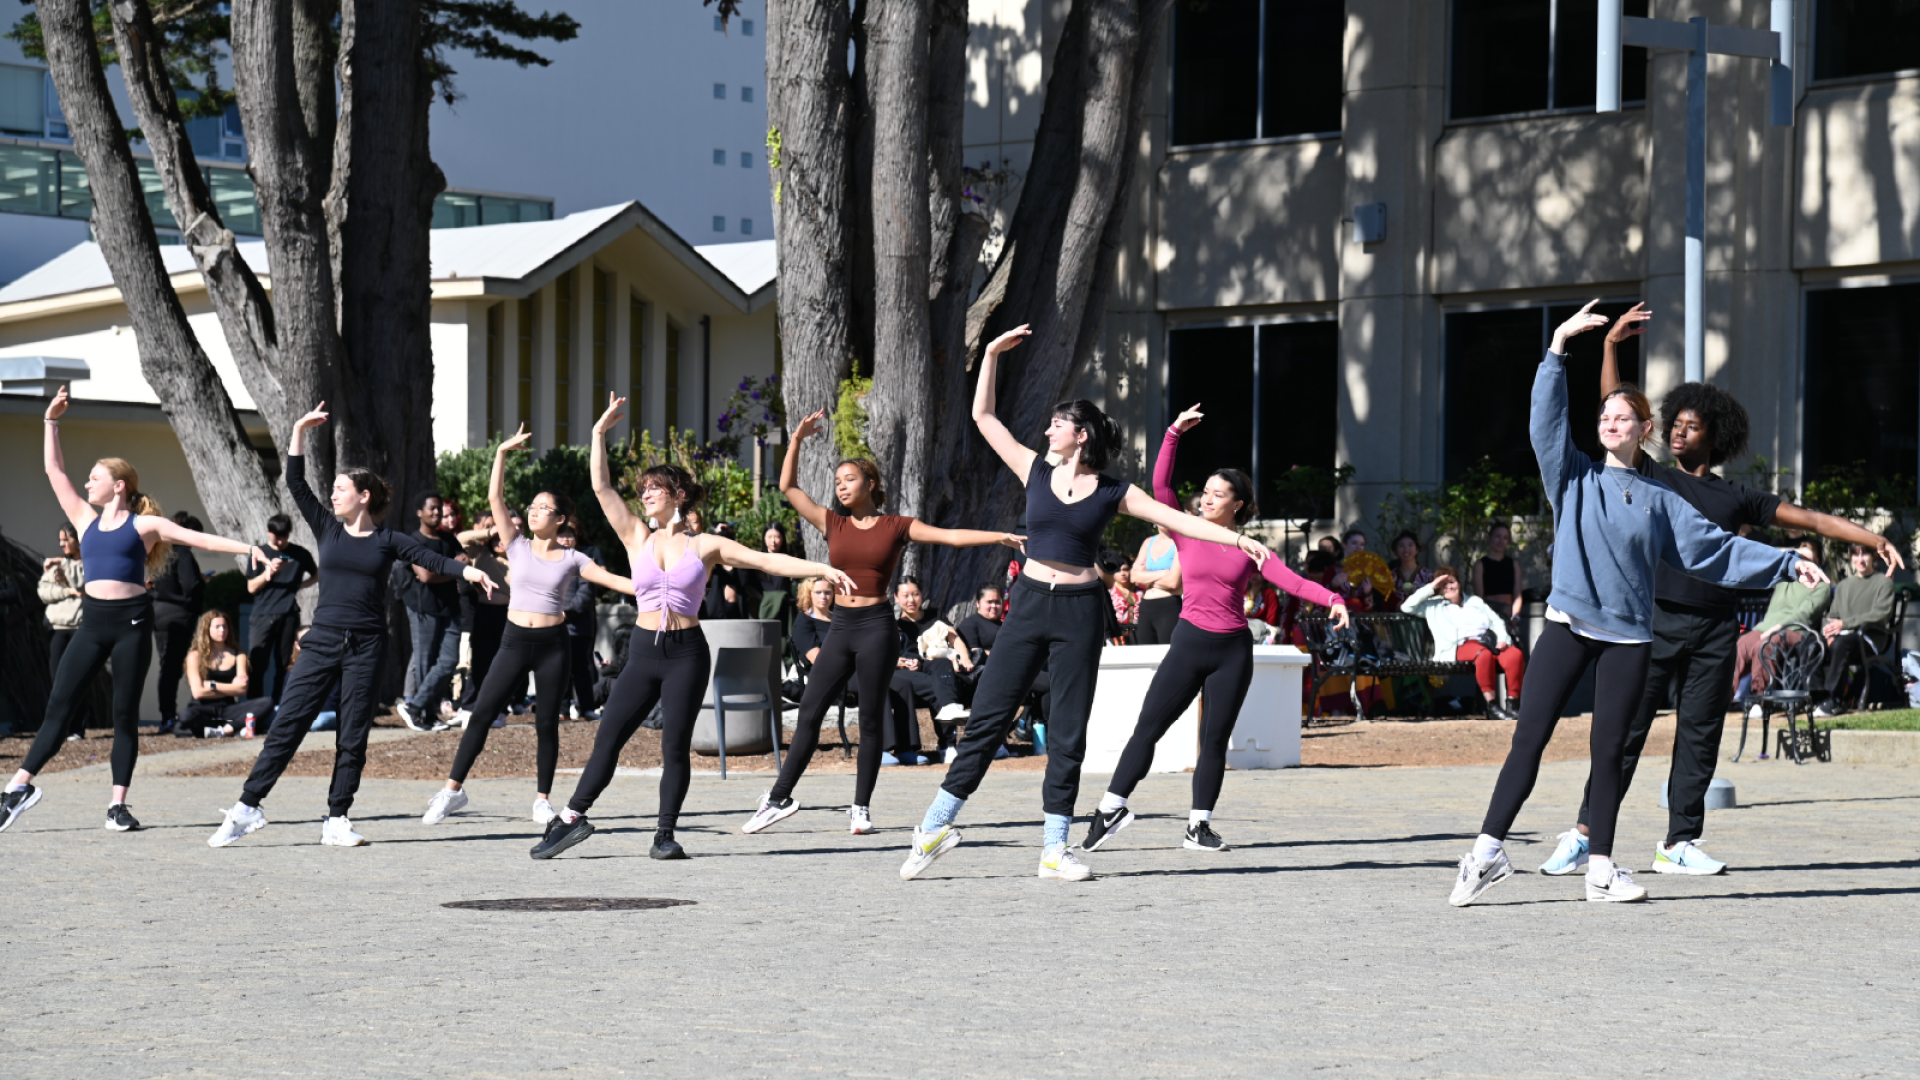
x=11, y=788
x=1599, y=869
x=1111, y=802
x=1485, y=848
x=1195, y=817
x=569, y=816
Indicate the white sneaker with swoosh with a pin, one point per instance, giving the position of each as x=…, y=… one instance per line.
x=1477, y=877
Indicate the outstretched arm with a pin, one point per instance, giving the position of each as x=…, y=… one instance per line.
x=165, y=528
x=1282, y=577
x=811, y=512
x=409, y=549
x=1699, y=548
x=619, y=515
x=1137, y=504
x=595, y=574
x=1632, y=324
x=733, y=553
x=497, y=486
x=72, y=503
x=922, y=533
x=1838, y=528
x=1011, y=450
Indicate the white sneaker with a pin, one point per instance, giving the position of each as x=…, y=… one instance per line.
x=770, y=812
x=543, y=812
x=1060, y=862
x=1821, y=712
x=859, y=822
x=241, y=820
x=445, y=801
x=1477, y=877
x=410, y=717
x=950, y=713
x=461, y=718
x=1754, y=712
x=928, y=846
x=1619, y=888
x=573, y=711
x=338, y=832
x=950, y=753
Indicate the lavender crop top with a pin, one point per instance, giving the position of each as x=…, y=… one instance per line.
x=677, y=590
x=541, y=585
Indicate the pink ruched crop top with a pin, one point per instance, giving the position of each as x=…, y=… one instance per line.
x=677, y=590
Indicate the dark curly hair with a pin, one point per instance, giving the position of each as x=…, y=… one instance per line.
x=1721, y=412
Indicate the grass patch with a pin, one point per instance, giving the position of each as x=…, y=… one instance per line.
x=1885, y=720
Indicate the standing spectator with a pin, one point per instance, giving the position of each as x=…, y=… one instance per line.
x=274, y=624
x=1156, y=571
x=726, y=587
x=1497, y=578
x=452, y=521
x=776, y=596
x=1126, y=602
x=481, y=547
x=177, y=592
x=1465, y=629
x=580, y=631
x=217, y=679
x=1408, y=574
x=1861, y=602
x=434, y=611
x=63, y=580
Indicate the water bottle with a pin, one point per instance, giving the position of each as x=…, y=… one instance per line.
x=247, y=732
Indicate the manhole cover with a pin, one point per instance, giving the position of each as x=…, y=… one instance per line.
x=568, y=903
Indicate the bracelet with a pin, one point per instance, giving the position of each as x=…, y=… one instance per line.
x=53, y=422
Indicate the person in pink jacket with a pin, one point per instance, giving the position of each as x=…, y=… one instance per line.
x=1211, y=650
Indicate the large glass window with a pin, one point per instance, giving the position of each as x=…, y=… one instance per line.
x=1520, y=56
x=1256, y=69
x=1852, y=38
x=23, y=108
x=1862, y=402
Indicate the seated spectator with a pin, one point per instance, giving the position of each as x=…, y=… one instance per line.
x=217, y=679
x=810, y=623
x=1863, y=601
x=62, y=581
x=1126, y=599
x=1465, y=629
x=1792, y=602
x=1408, y=574
x=1263, y=603
x=978, y=630
x=1497, y=577
x=930, y=652
x=1331, y=545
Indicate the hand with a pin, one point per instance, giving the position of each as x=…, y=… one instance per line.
x=518, y=440
x=907, y=663
x=611, y=416
x=1339, y=618
x=727, y=591
x=260, y=558
x=1809, y=574
x=58, y=407
x=1008, y=340
x=1891, y=556
x=962, y=660
x=841, y=581
x=1632, y=324
x=1582, y=321
x=1440, y=582
x=810, y=425
x=313, y=419
x=1016, y=542
x=1187, y=419
x=479, y=577
x=1255, y=550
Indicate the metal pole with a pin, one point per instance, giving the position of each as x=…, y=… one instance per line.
x=1696, y=202
x=1606, y=72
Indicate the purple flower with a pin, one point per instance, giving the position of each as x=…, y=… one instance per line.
x=756, y=395
x=746, y=384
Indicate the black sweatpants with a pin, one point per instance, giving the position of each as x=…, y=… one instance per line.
x=544, y=652
x=1158, y=618
x=671, y=672
x=862, y=643
x=1693, y=650
x=199, y=716
x=1222, y=664
x=1847, y=648
x=327, y=654
x=270, y=650
x=483, y=645
x=172, y=638
x=1063, y=630
x=116, y=630
x=1619, y=679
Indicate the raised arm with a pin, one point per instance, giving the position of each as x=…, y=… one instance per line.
x=593, y=573
x=1011, y=450
x=619, y=515
x=72, y=503
x=733, y=553
x=318, y=518
x=1169, y=450
x=497, y=486
x=1136, y=504
x=1632, y=324
x=811, y=512
x=1548, y=422
x=922, y=533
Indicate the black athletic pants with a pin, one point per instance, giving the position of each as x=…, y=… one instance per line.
x=862, y=643
x=580, y=665
x=116, y=630
x=1222, y=664
x=1846, y=648
x=57, y=648
x=270, y=652
x=353, y=658
x=1063, y=630
x=199, y=716
x=483, y=645
x=1694, y=651
x=172, y=637
x=1158, y=617
x=1619, y=679
x=935, y=683
x=673, y=674
x=544, y=652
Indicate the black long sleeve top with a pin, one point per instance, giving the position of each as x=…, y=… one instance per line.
x=353, y=569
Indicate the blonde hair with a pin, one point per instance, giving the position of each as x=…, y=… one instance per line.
x=806, y=594
x=203, y=638
x=145, y=505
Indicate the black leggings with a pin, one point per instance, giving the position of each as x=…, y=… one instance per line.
x=116, y=630
x=1619, y=678
x=1158, y=618
x=672, y=673
x=545, y=653
x=1059, y=628
x=1220, y=663
x=201, y=716
x=862, y=642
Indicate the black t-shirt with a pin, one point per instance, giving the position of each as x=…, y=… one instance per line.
x=1726, y=504
x=911, y=629
x=353, y=569
x=978, y=631
x=809, y=633
x=440, y=599
x=277, y=596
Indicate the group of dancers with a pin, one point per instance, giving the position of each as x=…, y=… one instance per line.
x=1621, y=526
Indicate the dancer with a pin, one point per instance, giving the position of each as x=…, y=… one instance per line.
x=535, y=640
x=1060, y=612
x=346, y=643
x=667, y=659
x=863, y=642
x=1695, y=633
x=1212, y=650
x=122, y=544
x=1156, y=574
x=1612, y=526
x=218, y=680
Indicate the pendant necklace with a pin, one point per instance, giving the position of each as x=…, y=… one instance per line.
x=1626, y=493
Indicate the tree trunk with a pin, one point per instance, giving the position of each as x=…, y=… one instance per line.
x=171, y=359
x=809, y=109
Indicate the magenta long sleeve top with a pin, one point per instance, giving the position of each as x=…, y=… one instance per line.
x=1213, y=576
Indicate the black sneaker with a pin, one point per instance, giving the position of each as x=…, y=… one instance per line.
x=167, y=726
x=1104, y=826
x=121, y=819
x=15, y=803
x=1201, y=837
x=562, y=835
x=666, y=847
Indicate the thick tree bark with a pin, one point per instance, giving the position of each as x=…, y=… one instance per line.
x=171, y=359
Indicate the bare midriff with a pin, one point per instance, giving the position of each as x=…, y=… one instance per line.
x=650, y=620
x=114, y=590
x=535, y=620
x=1055, y=573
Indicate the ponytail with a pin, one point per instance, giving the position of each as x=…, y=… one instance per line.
x=1103, y=435
x=141, y=504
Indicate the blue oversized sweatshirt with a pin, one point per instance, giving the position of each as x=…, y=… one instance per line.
x=1605, y=548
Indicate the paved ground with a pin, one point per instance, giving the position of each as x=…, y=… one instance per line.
x=1323, y=941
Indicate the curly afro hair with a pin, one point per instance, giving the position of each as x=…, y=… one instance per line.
x=1721, y=412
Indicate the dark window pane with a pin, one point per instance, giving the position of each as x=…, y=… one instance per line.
x=1573, y=57
x=1863, y=384
x=1865, y=37
x=1305, y=57
x=1500, y=56
x=1216, y=70
x=1213, y=367
x=1490, y=360
x=1299, y=392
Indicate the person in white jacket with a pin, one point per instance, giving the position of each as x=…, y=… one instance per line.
x=1464, y=628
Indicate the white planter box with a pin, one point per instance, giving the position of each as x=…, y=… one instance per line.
x=1266, y=735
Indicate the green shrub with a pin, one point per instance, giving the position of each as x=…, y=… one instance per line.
x=227, y=590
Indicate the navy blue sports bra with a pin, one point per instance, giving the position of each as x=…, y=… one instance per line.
x=114, y=555
x=1068, y=533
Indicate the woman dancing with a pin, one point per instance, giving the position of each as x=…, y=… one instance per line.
x=1059, y=612
x=535, y=641
x=863, y=641
x=1212, y=650
x=667, y=660
x=1612, y=526
x=122, y=544
x=346, y=643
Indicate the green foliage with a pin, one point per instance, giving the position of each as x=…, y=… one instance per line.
x=850, y=418
x=755, y=410
x=226, y=591
x=1459, y=514
x=193, y=44
x=480, y=27
x=1887, y=720
x=1304, y=493
x=465, y=474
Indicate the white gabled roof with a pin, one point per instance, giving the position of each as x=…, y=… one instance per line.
x=752, y=265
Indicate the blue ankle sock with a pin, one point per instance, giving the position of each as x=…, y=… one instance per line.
x=946, y=806
x=1056, y=831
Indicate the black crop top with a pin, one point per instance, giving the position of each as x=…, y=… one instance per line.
x=1068, y=533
